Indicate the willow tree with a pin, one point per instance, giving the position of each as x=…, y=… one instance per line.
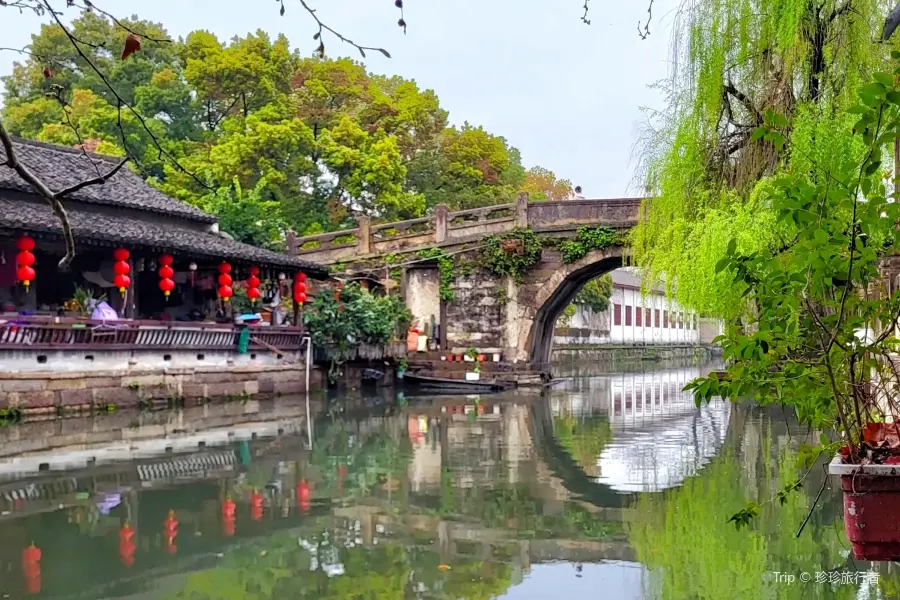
x=734, y=63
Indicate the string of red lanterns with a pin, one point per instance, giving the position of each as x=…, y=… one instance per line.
x=166, y=273
x=225, y=281
x=121, y=269
x=126, y=544
x=25, y=261
x=31, y=569
x=300, y=288
x=253, y=282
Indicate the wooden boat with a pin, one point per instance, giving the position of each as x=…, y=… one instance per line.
x=449, y=386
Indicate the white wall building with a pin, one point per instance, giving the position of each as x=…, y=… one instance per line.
x=633, y=317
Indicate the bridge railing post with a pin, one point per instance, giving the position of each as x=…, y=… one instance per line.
x=364, y=235
x=441, y=213
x=290, y=238
x=522, y=210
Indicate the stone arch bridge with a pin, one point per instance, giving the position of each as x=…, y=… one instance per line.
x=494, y=314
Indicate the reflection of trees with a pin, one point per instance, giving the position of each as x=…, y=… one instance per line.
x=694, y=553
x=584, y=439
x=370, y=460
x=385, y=572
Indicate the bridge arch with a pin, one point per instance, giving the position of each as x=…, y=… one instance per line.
x=557, y=292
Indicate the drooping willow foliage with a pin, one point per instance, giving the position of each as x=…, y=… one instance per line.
x=733, y=61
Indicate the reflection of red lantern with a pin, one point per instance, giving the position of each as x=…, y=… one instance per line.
x=31, y=569
x=256, y=506
x=126, y=545
x=228, y=516
x=303, y=495
x=170, y=527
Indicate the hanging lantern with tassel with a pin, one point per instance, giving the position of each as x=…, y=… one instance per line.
x=166, y=273
x=225, y=291
x=121, y=269
x=25, y=261
x=253, y=282
x=126, y=544
x=170, y=527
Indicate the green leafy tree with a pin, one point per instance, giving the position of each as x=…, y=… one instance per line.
x=542, y=184
x=596, y=293
x=709, y=177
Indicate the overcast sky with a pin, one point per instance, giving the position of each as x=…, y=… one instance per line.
x=566, y=94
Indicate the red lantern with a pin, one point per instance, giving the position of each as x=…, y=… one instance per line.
x=166, y=272
x=253, y=282
x=166, y=260
x=254, y=271
x=254, y=294
x=121, y=254
x=225, y=292
x=301, y=298
x=122, y=282
x=301, y=276
x=224, y=268
x=166, y=285
x=225, y=280
x=121, y=268
x=25, y=244
x=25, y=275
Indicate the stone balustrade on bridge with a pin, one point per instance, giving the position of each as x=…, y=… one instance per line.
x=444, y=228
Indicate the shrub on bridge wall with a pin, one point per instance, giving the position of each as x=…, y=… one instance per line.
x=586, y=240
x=512, y=254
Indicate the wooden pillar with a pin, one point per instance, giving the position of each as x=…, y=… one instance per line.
x=130, y=309
x=364, y=235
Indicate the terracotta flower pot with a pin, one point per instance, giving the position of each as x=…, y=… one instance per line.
x=871, y=508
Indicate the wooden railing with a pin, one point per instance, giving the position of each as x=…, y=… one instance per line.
x=446, y=227
x=51, y=333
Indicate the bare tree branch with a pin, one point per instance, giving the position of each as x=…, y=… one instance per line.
x=323, y=28
x=99, y=180
x=644, y=32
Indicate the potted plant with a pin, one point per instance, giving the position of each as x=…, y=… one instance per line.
x=475, y=373
x=819, y=330
x=82, y=302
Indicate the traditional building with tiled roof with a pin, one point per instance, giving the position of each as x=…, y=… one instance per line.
x=154, y=286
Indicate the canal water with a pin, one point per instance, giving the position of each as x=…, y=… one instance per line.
x=603, y=486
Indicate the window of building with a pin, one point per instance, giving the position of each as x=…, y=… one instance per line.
x=648, y=317
x=638, y=314
x=657, y=317
x=627, y=316
x=665, y=319
x=617, y=314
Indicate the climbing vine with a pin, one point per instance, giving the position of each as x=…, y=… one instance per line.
x=586, y=240
x=512, y=254
x=445, y=269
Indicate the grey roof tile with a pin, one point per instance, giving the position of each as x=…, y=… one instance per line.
x=61, y=167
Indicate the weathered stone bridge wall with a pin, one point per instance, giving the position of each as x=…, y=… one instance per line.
x=491, y=313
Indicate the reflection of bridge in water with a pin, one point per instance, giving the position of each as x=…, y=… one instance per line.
x=477, y=448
